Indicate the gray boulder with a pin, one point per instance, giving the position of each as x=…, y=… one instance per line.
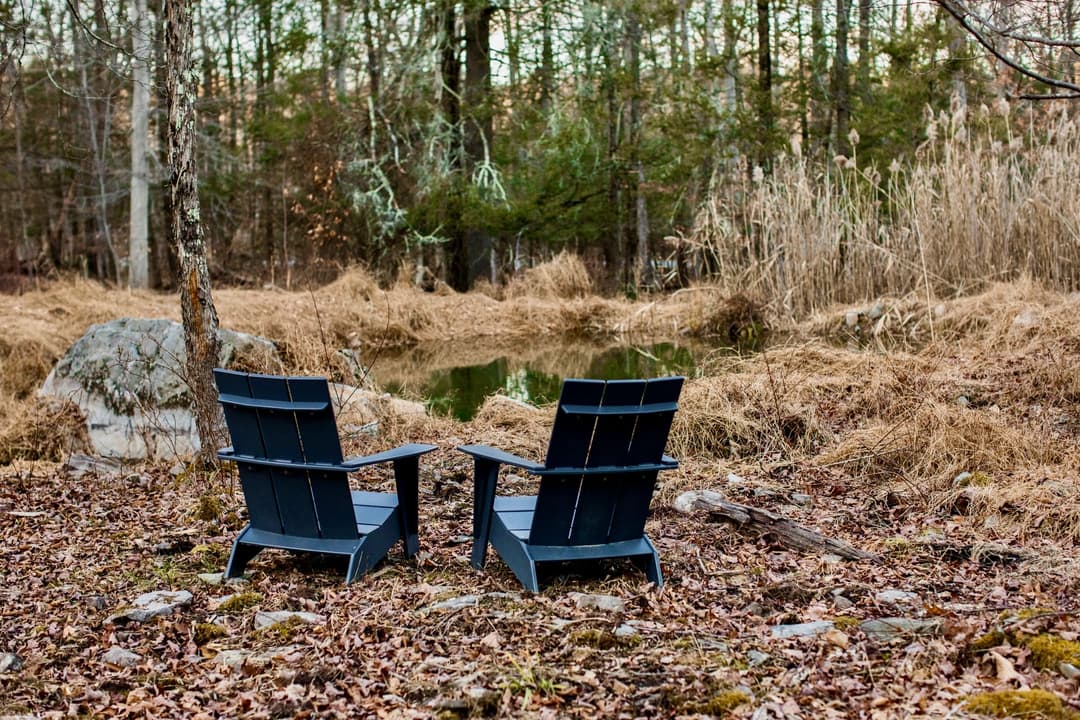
x=127, y=376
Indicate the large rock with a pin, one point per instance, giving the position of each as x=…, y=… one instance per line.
x=127, y=377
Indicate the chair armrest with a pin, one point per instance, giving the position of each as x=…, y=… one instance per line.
x=670, y=461
x=398, y=453
x=484, y=452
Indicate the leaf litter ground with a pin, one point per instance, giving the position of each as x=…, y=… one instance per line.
x=866, y=446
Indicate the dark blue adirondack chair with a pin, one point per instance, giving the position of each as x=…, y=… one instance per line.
x=295, y=481
x=606, y=449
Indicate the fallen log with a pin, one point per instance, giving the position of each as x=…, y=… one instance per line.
x=761, y=522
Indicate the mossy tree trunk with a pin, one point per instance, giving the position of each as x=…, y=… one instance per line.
x=185, y=227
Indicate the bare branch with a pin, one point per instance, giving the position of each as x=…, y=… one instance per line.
x=968, y=20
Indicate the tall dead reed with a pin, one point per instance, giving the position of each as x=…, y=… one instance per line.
x=979, y=201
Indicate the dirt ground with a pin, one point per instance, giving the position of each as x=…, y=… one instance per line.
x=943, y=439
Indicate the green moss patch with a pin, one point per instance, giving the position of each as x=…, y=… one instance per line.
x=1021, y=704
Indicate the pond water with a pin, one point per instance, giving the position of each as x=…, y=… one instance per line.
x=455, y=381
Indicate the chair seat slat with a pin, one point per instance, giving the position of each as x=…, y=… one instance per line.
x=282, y=405
x=619, y=409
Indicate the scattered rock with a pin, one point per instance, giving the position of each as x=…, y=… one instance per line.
x=801, y=499
x=756, y=657
x=121, y=657
x=606, y=603
x=10, y=662
x=464, y=601
x=851, y=318
x=1069, y=670
x=756, y=608
x=962, y=479
x=127, y=375
x=212, y=578
x=78, y=465
x=153, y=604
x=264, y=619
x=1027, y=319
x=875, y=311
x=810, y=629
x=460, y=539
x=892, y=628
x=626, y=632
x=896, y=597
x=26, y=513
x=97, y=602
x=963, y=401
x=840, y=602
x=237, y=658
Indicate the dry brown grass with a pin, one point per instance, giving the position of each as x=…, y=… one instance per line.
x=994, y=388
x=564, y=277
x=978, y=203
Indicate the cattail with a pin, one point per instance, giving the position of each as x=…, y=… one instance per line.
x=758, y=175
x=853, y=137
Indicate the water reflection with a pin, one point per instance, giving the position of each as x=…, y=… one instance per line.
x=530, y=377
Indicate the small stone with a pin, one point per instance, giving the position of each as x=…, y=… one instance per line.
x=801, y=499
x=842, y=603
x=734, y=479
x=10, y=662
x=756, y=657
x=1069, y=670
x=831, y=559
x=1026, y=319
x=178, y=469
x=232, y=658
x=97, y=602
x=875, y=311
x=895, y=597
x=764, y=492
x=756, y=608
x=606, y=603
x=264, y=619
x=810, y=629
x=963, y=401
x=120, y=657
x=460, y=539
x=212, y=578
x=851, y=318
x=153, y=604
x=892, y=628
x=626, y=632
x=962, y=479
x=456, y=603
x=940, y=310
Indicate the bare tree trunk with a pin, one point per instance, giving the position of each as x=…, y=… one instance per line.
x=614, y=257
x=479, y=129
x=731, y=61
x=547, y=59
x=841, y=77
x=139, y=239
x=766, y=120
x=373, y=65
x=819, y=90
x=957, y=48
x=341, y=18
x=863, y=79
x=185, y=227
x=643, y=261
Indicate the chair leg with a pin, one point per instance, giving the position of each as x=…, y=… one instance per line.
x=238, y=559
x=485, y=477
x=406, y=478
x=651, y=565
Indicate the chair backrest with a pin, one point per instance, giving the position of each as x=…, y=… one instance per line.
x=288, y=421
x=610, y=437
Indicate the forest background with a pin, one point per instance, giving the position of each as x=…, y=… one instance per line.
x=806, y=152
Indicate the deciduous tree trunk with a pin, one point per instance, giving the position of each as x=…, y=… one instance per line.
x=841, y=77
x=185, y=227
x=139, y=240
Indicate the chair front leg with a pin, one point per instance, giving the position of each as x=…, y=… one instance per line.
x=406, y=478
x=485, y=477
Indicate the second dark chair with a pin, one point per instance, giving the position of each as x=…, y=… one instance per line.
x=606, y=449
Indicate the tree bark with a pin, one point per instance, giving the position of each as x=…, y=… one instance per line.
x=766, y=120
x=139, y=239
x=185, y=228
x=841, y=77
x=478, y=131
x=819, y=84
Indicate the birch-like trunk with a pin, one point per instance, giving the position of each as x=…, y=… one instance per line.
x=185, y=227
x=138, y=234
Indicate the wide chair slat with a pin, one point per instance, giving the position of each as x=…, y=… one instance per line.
x=295, y=481
x=596, y=484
